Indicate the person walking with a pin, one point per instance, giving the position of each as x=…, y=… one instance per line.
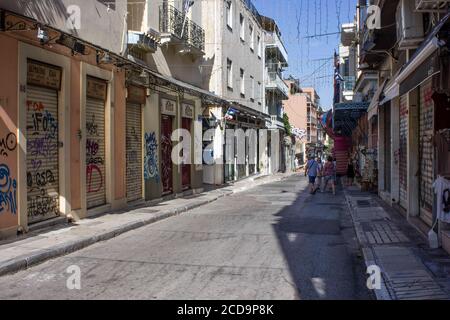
x=329, y=172
x=319, y=174
x=311, y=170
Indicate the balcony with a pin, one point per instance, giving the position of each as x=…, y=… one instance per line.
x=348, y=34
x=432, y=5
x=349, y=83
x=178, y=30
x=276, y=123
x=275, y=83
x=276, y=49
x=143, y=42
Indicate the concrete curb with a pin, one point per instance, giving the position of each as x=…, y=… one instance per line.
x=26, y=261
x=367, y=252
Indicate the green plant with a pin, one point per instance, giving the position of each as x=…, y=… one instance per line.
x=287, y=125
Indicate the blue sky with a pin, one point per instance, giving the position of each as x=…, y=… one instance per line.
x=310, y=60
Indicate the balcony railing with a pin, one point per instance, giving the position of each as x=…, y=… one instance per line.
x=274, y=81
x=274, y=42
x=173, y=21
x=349, y=83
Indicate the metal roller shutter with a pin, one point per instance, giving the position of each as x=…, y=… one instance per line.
x=42, y=154
x=95, y=153
x=134, y=152
x=403, y=172
x=426, y=151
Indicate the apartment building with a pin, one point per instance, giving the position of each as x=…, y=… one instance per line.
x=276, y=91
x=234, y=70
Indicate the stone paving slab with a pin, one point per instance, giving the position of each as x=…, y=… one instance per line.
x=383, y=243
x=61, y=240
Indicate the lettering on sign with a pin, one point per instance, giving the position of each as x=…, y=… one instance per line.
x=96, y=89
x=44, y=75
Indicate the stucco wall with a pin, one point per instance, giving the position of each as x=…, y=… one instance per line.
x=95, y=19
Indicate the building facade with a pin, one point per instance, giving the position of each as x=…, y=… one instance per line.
x=409, y=111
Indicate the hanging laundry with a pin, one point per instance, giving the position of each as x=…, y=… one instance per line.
x=442, y=189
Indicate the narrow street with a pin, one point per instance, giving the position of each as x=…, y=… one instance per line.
x=274, y=241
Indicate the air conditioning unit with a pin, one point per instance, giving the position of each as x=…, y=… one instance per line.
x=432, y=5
x=409, y=25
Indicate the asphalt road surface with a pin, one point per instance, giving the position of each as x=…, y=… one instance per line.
x=272, y=242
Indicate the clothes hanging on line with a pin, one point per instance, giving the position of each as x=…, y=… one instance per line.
x=442, y=190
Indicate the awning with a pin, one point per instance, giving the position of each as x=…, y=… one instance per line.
x=391, y=91
x=373, y=107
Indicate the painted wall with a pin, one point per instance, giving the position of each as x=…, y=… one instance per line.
x=95, y=19
x=9, y=203
x=224, y=43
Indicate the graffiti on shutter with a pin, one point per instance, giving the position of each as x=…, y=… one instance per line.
x=95, y=153
x=426, y=148
x=42, y=154
x=403, y=150
x=134, y=151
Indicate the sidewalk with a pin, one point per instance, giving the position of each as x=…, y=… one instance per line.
x=410, y=269
x=41, y=245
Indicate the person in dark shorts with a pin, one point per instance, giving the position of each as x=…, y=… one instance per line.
x=311, y=170
x=350, y=173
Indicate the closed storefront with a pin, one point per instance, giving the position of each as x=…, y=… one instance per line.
x=168, y=113
x=95, y=142
x=187, y=114
x=403, y=149
x=44, y=83
x=229, y=153
x=426, y=125
x=134, y=165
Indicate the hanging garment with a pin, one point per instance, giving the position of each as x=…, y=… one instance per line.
x=442, y=191
x=443, y=152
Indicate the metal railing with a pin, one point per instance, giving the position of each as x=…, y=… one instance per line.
x=274, y=81
x=172, y=20
x=349, y=83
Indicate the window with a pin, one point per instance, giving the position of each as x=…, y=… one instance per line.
x=252, y=89
x=259, y=46
x=346, y=67
x=252, y=38
x=242, y=82
x=229, y=74
x=242, y=26
x=229, y=10
x=111, y=4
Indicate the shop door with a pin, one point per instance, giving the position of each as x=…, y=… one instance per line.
x=42, y=154
x=229, y=155
x=95, y=153
x=387, y=144
x=166, y=154
x=134, y=152
x=186, y=168
x=402, y=159
x=426, y=125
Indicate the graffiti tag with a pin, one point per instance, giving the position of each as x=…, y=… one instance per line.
x=150, y=157
x=8, y=144
x=8, y=191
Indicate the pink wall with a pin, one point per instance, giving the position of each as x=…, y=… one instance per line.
x=9, y=211
x=296, y=109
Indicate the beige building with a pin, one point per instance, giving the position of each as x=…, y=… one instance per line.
x=302, y=108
